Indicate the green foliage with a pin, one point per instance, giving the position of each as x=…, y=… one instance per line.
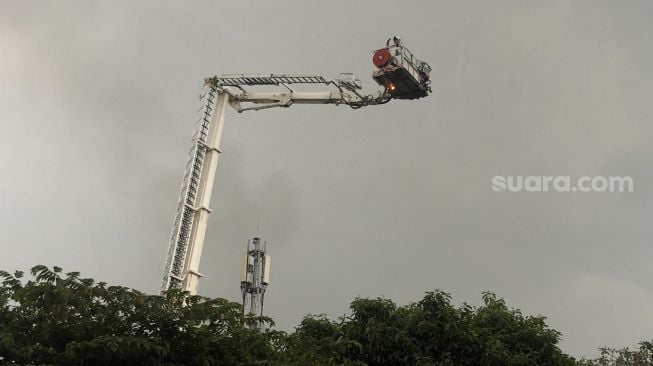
x=57, y=318
x=62, y=319
x=430, y=332
x=642, y=356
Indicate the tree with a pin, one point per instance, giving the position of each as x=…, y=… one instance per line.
x=63, y=319
x=57, y=318
x=642, y=356
x=429, y=332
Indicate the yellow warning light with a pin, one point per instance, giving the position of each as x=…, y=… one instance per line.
x=391, y=87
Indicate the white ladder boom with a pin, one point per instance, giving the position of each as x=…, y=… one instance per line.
x=189, y=229
x=187, y=238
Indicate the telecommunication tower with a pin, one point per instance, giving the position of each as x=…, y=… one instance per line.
x=254, y=276
x=398, y=71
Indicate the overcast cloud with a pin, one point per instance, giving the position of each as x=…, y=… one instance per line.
x=98, y=100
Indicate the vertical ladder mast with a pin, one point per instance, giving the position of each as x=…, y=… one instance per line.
x=401, y=75
x=189, y=229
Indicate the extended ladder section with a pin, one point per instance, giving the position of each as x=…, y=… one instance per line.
x=194, y=195
x=344, y=91
x=241, y=79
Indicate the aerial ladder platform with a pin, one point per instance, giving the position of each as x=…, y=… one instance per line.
x=401, y=75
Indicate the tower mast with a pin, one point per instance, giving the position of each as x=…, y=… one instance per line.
x=254, y=277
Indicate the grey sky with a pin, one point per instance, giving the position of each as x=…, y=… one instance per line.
x=98, y=99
